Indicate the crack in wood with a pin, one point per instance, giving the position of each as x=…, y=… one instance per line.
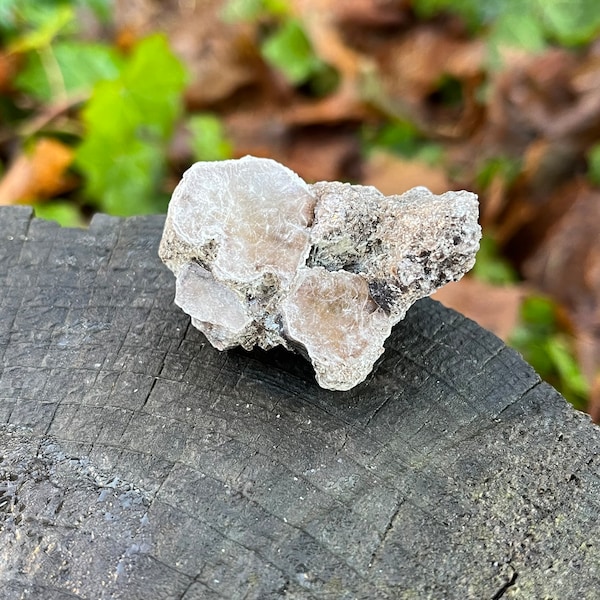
x=500, y=593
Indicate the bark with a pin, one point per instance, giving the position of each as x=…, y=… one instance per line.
x=139, y=462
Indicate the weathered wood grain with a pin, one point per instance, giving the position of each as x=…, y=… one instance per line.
x=138, y=462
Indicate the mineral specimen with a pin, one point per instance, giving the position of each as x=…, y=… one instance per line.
x=262, y=258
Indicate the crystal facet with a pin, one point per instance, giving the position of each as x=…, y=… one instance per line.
x=262, y=258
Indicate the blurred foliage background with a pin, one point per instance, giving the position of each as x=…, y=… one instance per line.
x=104, y=104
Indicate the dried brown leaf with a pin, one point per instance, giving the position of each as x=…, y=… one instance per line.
x=9, y=64
x=411, y=68
x=40, y=174
x=567, y=266
x=222, y=57
x=553, y=97
x=372, y=13
x=394, y=175
x=566, y=263
x=326, y=154
x=493, y=307
x=319, y=17
x=529, y=214
x=594, y=400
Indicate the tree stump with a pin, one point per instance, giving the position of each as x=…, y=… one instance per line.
x=137, y=462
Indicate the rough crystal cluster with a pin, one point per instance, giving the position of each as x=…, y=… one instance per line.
x=263, y=258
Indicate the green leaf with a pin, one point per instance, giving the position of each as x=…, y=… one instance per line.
x=251, y=10
x=490, y=266
x=404, y=139
x=499, y=166
x=128, y=122
x=47, y=21
x=515, y=23
x=539, y=312
x=400, y=137
x=474, y=12
x=430, y=153
x=21, y=16
x=549, y=351
x=65, y=213
x=67, y=69
x=594, y=165
x=571, y=22
x=153, y=80
x=208, y=138
x=290, y=51
x=518, y=30
x=128, y=182
x=568, y=370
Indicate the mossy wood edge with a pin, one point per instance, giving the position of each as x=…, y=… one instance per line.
x=139, y=462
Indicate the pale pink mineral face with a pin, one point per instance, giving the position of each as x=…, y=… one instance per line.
x=212, y=305
x=256, y=212
x=262, y=258
x=337, y=322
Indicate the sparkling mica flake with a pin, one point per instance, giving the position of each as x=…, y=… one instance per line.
x=263, y=258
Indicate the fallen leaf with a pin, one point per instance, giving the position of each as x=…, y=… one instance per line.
x=587, y=348
x=494, y=201
x=493, y=307
x=392, y=174
x=222, y=57
x=567, y=266
x=527, y=219
x=545, y=109
x=372, y=13
x=594, y=401
x=39, y=174
x=259, y=132
x=9, y=65
x=415, y=67
x=320, y=19
x=341, y=106
x=324, y=154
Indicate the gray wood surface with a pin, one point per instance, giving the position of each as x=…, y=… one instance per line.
x=138, y=462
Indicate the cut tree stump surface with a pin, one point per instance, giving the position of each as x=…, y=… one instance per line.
x=137, y=462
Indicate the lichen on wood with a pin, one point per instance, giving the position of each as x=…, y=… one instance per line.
x=264, y=259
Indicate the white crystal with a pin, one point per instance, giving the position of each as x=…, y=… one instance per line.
x=216, y=309
x=262, y=258
x=249, y=216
